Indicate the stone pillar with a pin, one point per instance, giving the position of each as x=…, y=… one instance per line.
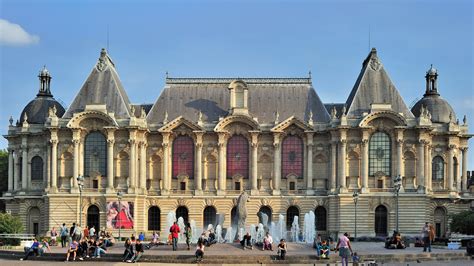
x=451, y=168
x=76, y=164
x=309, y=143
x=222, y=164
x=198, y=177
x=426, y=165
x=342, y=166
x=16, y=174
x=143, y=146
x=54, y=164
x=10, y=170
x=166, y=173
x=464, y=169
x=132, y=165
x=110, y=163
x=365, y=165
x=276, y=164
x=48, y=166
x=332, y=178
x=24, y=167
x=254, y=183
x=420, y=166
x=429, y=170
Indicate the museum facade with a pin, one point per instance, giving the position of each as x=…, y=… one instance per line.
x=106, y=162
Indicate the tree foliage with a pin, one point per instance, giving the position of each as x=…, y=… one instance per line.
x=463, y=223
x=10, y=224
x=3, y=170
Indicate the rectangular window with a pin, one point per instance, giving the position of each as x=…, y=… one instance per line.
x=183, y=185
x=95, y=183
x=292, y=186
x=237, y=186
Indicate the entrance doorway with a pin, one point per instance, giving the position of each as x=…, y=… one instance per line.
x=381, y=221
x=440, y=221
x=34, y=216
x=93, y=217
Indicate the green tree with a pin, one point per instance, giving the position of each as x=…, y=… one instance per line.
x=3, y=175
x=463, y=223
x=10, y=224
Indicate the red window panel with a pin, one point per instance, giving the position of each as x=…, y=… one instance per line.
x=292, y=156
x=237, y=156
x=183, y=157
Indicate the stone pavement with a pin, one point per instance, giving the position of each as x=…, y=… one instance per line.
x=297, y=254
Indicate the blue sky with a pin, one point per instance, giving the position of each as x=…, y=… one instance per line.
x=237, y=39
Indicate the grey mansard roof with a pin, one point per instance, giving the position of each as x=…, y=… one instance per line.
x=374, y=86
x=188, y=96
x=103, y=86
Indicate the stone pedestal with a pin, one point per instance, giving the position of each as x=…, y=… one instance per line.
x=254, y=192
x=220, y=192
x=310, y=192
x=198, y=193
x=276, y=192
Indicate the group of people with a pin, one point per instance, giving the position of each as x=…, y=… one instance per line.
x=266, y=244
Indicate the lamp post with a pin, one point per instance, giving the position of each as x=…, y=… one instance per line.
x=355, y=198
x=120, y=196
x=397, y=183
x=80, y=183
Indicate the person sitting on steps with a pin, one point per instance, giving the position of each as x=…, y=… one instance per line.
x=246, y=242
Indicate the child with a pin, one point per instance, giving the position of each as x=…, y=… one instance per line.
x=355, y=258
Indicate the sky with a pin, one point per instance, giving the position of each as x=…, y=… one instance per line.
x=146, y=39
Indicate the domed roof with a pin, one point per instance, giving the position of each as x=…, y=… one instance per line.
x=439, y=108
x=37, y=110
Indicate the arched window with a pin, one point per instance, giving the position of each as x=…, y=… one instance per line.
x=93, y=217
x=290, y=216
x=209, y=216
x=438, y=168
x=237, y=156
x=380, y=153
x=265, y=211
x=182, y=211
x=292, y=156
x=36, y=168
x=183, y=156
x=321, y=218
x=154, y=218
x=95, y=154
x=381, y=222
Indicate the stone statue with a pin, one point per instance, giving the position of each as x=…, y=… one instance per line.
x=277, y=118
x=165, y=120
x=242, y=210
x=142, y=113
x=334, y=113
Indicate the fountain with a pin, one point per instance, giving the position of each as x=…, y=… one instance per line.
x=219, y=234
x=229, y=237
x=309, y=227
x=280, y=228
x=295, y=229
x=182, y=237
x=273, y=231
x=260, y=234
x=253, y=232
x=195, y=234
x=264, y=219
x=170, y=219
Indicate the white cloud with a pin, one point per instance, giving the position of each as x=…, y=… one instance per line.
x=14, y=35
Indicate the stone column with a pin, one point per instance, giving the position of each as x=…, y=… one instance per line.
x=143, y=146
x=276, y=164
x=166, y=173
x=110, y=163
x=254, y=183
x=420, y=166
x=332, y=178
x=198, y=177
x=54, y=164
x=429, y=170
x=365, y=165
x=76, y=163
x=48, y=166
x=222, y=164
x=464, y=169
x=309, y=144
x=342, y=166
x=10, y=169
x=16, y=174
x=132, y=165
x=24, y=166
x=426, y=165
x=451, y=168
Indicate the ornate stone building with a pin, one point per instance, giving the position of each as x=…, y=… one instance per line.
x=206, y=140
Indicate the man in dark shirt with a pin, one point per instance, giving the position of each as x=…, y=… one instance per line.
x=138, y=251
x=247, y=241
x=31, y=250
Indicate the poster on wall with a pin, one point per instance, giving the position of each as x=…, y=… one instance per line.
x=120, y=215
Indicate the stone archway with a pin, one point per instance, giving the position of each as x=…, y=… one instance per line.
x=34, y=221
x=440, y=222
x=381, y=221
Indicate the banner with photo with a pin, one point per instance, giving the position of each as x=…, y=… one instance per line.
x=120, y=215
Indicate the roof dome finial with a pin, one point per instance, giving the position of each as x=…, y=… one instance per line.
x=45, y=82
x=431, y=81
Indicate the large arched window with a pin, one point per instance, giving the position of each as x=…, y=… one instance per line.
x=292, y=156
x=182, y=211
x=209, y=216
x=154, y=218
x=380, y=153
x=93, y=216
x=321, y=218
x=36, y=168
x=183, y=156
x=290, y=216
x=95, y=154
x=237, y=156
x=438, y=168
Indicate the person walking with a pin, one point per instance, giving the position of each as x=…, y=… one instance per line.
x=63, y=232
x=345, y=249
x=425, y=234
x=174, y=230
x=188, y=233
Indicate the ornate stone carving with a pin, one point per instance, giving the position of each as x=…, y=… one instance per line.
x=209, y=201
x=181, y=202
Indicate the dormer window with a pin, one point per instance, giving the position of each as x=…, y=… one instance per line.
x=238, y=97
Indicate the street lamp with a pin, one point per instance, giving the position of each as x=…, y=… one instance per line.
x=355, y=198
x=80, y=183
x=397, y=183
x=119, y=196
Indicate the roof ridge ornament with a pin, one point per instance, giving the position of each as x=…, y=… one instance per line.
x=102, y=62
x=310, y=119
x=165, y=120
x=45, y=82
x=375, y=63
x=277, y=118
